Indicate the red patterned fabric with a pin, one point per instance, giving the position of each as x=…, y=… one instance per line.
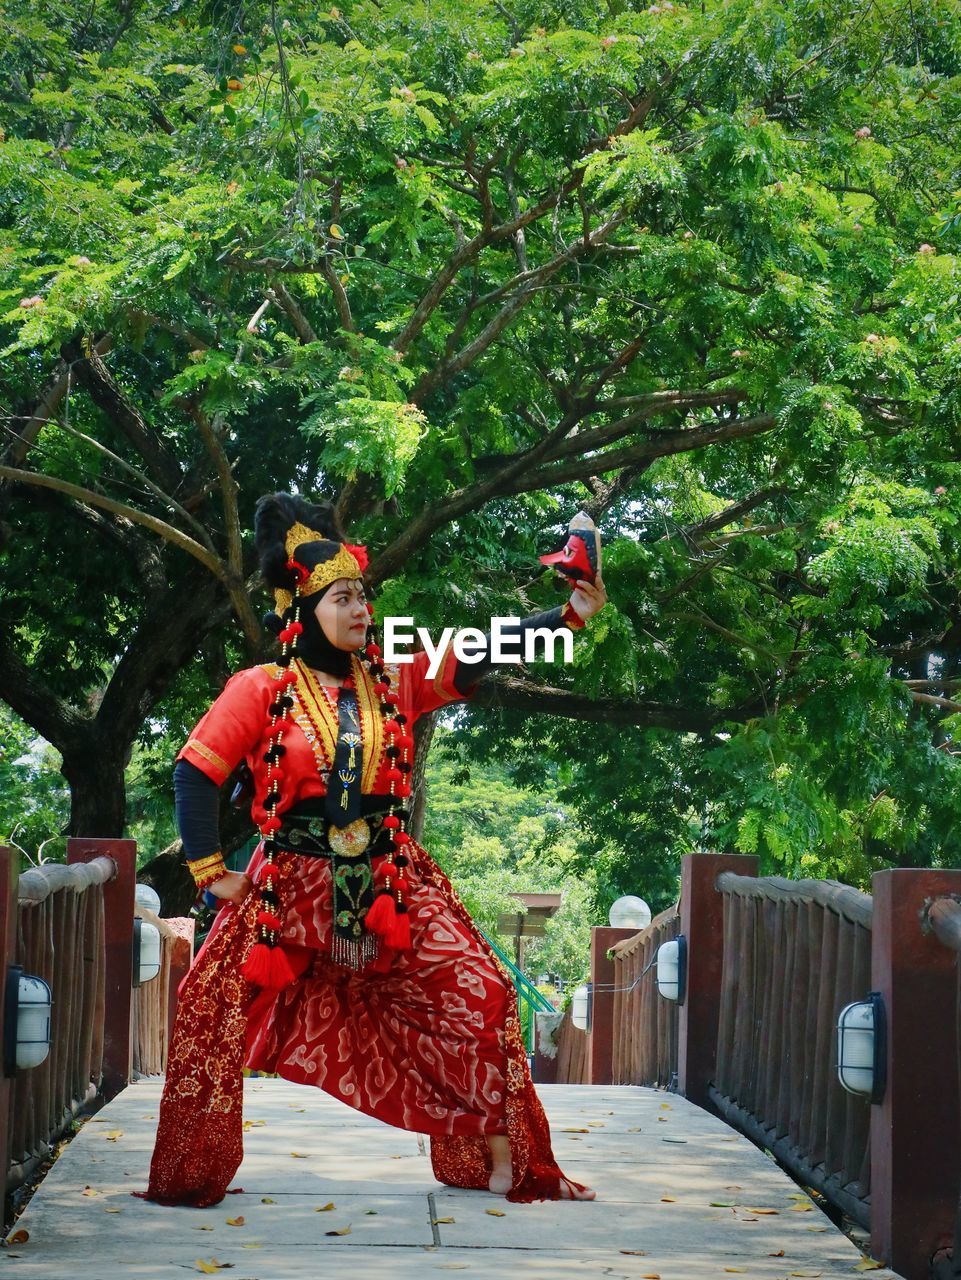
x=428, y=1041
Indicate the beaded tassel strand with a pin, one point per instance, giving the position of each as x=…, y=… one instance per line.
x=388, y=916
x=267, y=964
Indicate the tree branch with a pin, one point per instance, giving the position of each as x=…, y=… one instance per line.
x=109, y=397
x=167, y=531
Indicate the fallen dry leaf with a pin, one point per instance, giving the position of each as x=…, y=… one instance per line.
x=325, y=1208
x=575, y=1131
x=341, y=1231
x=802, y=1208
x=815, y=1228
x=740, y=1270
x=212, y=1267
x=666, y=1106
x=19, y=1237
x=662, y=1119
x=767, y=1211
x=868, y=1264
x=267, y=1200
x=636, y=1129
x=235, y=1222
x=106, y=1210
x=371, y=1213
x=203, y=1228
x=669, y=1199
x=438, y=1221
x=298, y=1155
x=779, y=1254
x=254, y=1244
x=651, y=1275
x=811, y=1274
x=636, y=1253
x=113, y=1135
x=722, y=1204
x=495, y=1213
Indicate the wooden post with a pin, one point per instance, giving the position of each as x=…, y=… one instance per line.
x=702, y=924
x=9, y=883
x=914, y=1129
x=181, y=958
x=118, y=903
x=600, y=1061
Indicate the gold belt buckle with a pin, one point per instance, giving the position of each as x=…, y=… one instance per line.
x=349, y=841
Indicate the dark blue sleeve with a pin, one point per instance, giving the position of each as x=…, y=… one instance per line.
x=468, y=673
x=197, y=805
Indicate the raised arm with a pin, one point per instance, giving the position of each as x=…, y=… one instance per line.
x=583, y=604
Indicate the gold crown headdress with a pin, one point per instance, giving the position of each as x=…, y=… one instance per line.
x=349, y=561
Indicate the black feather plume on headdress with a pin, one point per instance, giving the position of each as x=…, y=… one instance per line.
x=274, y=515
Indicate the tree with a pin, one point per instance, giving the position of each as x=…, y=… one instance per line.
x=694, y=270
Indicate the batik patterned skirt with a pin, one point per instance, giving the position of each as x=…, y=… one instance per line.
x=427, y=1040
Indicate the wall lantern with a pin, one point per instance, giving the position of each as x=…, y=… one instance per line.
x=672, y=969
x=630, y=912
x=26, y=1021
x=862, y=1047
x=146, y=951
x=581, y=1001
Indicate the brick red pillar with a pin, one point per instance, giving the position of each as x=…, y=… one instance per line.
x=915, y=1128
x=600, y=1061
x=118, y=903
x=9, y=884
x=702, y=924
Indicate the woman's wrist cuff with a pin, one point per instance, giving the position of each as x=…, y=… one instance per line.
x=206, y=870
x=571, y=617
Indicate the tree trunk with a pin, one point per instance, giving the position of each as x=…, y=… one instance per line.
x=98, y=792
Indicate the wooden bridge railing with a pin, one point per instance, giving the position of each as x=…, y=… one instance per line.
x=645, y=1026
x=72, y=925
x=633, y=1033
x=795, y=952
x=771, y=963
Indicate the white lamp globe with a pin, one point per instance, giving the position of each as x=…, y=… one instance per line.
x=630, y=912
x=146, y=896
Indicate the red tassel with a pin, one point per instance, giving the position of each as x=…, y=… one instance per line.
x=257, y=965
x=281, y=974
x=379, y=917
x=268, y=919
x=398, y=932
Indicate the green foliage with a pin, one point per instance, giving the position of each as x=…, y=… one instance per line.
x=494, y=838
x=303, y=227
x=34, y=798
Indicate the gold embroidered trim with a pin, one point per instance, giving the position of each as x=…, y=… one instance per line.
x=207, y=870
x=375, y=740
x=203, y=750
x=317, y=711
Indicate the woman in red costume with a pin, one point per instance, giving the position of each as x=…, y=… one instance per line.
x=342, y=957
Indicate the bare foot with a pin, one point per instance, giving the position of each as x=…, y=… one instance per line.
x=569, y=1191
x=501, y=1180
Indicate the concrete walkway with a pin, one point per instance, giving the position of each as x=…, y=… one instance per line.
x=330, y=1193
